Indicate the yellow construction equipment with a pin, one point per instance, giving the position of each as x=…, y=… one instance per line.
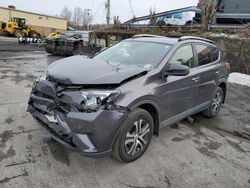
x=18, y=27
x=54, y=35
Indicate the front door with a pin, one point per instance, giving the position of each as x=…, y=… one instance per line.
x=179, y=93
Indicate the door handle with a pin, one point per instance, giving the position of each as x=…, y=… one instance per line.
x=217, y=72
x=196, y=79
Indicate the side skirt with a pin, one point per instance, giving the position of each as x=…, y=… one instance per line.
x=184, y=115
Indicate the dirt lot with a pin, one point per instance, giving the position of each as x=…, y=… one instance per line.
x=209, y=153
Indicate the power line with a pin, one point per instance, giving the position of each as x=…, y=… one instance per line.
x=131, y=7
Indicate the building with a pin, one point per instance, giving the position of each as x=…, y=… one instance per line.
x=43, y=24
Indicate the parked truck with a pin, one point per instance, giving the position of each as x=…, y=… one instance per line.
x=229, y=11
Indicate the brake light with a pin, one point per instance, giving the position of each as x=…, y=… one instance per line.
x=228, y=66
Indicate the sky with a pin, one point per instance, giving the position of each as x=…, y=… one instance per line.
x=119, y=8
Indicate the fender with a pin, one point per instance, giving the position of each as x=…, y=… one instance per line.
x=135, y=104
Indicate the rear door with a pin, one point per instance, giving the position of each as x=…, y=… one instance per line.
x=208, y=71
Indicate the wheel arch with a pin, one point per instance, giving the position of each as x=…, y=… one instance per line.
x=152, y=108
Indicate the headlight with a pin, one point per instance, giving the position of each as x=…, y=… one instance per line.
x=95, y=98
x=43, y=76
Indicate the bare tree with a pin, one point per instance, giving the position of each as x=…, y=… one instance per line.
x=152, y=18
x=77, y=17
x=117, y=22
x=67, y=14
x=87, y=19
x=208, y=10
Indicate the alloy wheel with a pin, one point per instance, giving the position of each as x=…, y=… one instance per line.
x=137, y=137
x=216, y=105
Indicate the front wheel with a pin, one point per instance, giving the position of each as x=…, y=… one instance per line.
x=215, y=105
x=135, y=136
x=18, y=33
x=33, y=34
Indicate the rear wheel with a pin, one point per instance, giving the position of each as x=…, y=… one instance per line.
x=18, y=33
x=161, y=23
x=77, y=49
x=54, y=47
x=215, y=105
x=135, y=136
x=62, y=49
x=33, y=34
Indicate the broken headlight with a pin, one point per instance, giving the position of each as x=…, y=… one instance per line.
x=95, y=98
x=43, y=76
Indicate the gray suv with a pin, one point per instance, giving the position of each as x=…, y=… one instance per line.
x=116, y=101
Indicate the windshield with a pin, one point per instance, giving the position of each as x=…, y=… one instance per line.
x=141, y=54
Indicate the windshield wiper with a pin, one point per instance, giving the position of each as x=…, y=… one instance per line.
x=116, y=67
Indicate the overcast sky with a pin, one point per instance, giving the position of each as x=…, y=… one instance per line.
x=118, y=7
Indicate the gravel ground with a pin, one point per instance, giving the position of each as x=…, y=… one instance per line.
x=209, y=153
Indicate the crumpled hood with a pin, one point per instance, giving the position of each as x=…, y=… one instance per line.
x=79, y=70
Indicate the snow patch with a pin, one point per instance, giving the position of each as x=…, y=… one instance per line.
x=223, y=35
x=239, y=78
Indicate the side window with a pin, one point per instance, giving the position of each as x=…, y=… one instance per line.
x=206, y=54
x=176, y=16
x=184, y=56
x=215, y=54
x=169, y=16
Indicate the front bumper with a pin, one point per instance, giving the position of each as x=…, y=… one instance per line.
x=92, y=133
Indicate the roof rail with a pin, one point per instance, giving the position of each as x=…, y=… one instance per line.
x=147, y=35
x=195, y=38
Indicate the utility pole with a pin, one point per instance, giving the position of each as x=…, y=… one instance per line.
x=108, y=12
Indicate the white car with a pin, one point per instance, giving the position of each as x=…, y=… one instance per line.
x=176, y=19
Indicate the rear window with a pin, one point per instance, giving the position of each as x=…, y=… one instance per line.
x=206, y=54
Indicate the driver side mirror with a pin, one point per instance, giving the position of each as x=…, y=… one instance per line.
x=176, y=70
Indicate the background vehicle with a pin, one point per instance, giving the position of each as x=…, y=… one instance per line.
x=18, y=27
x=70, y=43
x=115, y=101
x=176, y=19
x=229, y=11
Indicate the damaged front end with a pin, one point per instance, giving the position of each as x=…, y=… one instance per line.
x=78, y=117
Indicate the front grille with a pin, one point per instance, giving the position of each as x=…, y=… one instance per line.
x=42, y=108
x=51, y=107
x=50, y=102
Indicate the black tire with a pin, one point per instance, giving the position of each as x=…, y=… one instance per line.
x=18, y=33
x=62, y=49
x=135, y=136
x=215, y=105
x=77, y=49
x=33, y=34
x=188, y=23
x=55, y=48
x=161, y=24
